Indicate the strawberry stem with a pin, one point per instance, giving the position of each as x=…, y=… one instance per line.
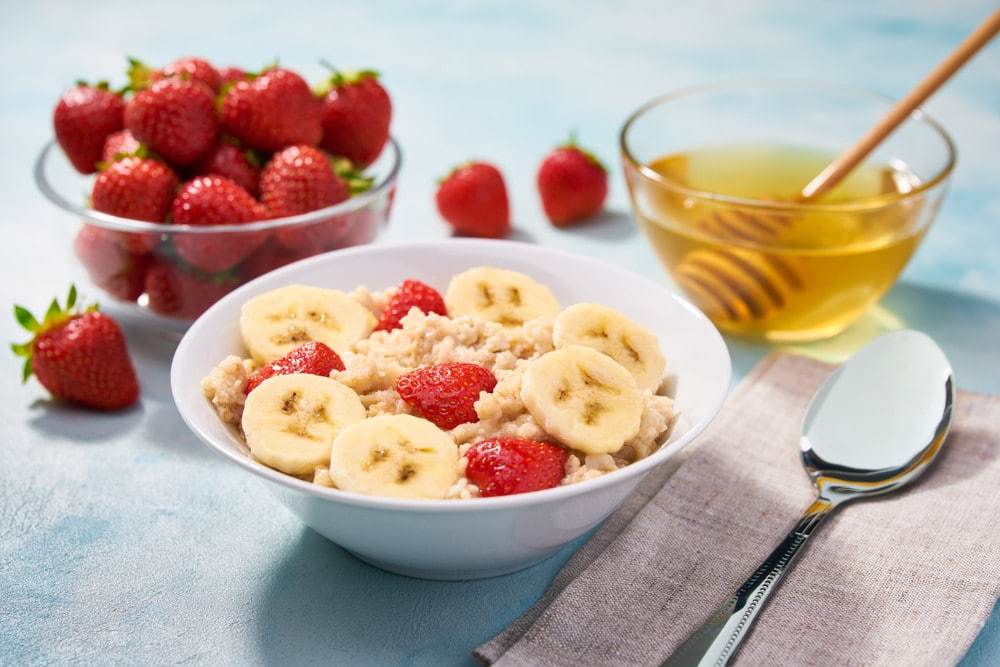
x=25, y=318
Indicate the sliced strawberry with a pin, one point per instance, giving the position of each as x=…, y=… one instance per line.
x=314, y=358
x=473, y=200
x=572, y=184
x=79, y=355
x=410, y=294
x=183, y=293
x=120, y=273
x=215, y=200
x=83, y=117
x=445, y=393
x=357, y=113
x=272, y=110
x=504, y=466
x=176, y=118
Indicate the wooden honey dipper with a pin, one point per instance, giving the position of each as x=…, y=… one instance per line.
x=745, y=285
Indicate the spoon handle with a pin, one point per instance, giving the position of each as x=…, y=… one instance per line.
x=717, y=640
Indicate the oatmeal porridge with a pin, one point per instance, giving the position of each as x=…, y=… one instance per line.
x=584, y=378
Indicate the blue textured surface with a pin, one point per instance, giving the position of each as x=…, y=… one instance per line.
x=123, y=540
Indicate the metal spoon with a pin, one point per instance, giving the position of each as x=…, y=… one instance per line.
x=873, y=427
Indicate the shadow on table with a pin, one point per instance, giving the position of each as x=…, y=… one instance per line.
x=965, y=326
x=323, y=602
x=607, y=226
x=62, y=420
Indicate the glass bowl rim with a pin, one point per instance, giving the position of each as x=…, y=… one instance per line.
x=380, y=189
x=919, y=115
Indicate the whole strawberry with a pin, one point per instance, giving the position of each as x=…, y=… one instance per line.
x=231, y=74
x=473, y=199
x=191, y=68
x=175, y=117
x=301, y=179
x=504, y=466
x=83, y=117
x=445, y=393
x=195, y=69
x=79, y=356
x=183, y=293
x=135, y=188
x=216, y=200
x=572, y=184
x=110, y=265
x=266, y=258
x=410, y=294
x=118, y=145
x=314, y=357
x=357, y=113
x=272, y=110
x=238, y=164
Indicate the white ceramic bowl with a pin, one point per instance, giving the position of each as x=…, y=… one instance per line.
x=463, y=539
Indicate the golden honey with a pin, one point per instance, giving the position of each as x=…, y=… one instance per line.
x=761, y=265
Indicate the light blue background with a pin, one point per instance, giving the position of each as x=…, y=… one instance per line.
x=123, y=540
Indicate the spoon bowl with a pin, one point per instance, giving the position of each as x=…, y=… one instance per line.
x=874, y=426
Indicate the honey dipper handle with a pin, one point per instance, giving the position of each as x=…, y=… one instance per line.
x=850, y=158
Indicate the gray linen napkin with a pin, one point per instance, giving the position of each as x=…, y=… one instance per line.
x=906, y=579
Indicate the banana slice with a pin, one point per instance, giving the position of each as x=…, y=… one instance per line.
x=607, y=330
x=583, y=398
x=400, y=456
x=290, y=421
x=274, y=322
x=498, y=295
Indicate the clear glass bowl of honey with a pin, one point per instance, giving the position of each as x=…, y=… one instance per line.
x=715, y=175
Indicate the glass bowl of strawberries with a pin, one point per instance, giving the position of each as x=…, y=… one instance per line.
x=193, y=180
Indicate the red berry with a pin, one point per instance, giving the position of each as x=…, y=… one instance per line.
x=410, y=294
x=272, y=110
x=138, y=189
x=301, y=179
x=80, y=356
x=266, y=258
x=119, y=145
x=572, y=184
x=502, y=466
x=445, y=393
x=473, y=200
x=357, y=113
x=83, y=117
x=314, y=358
x=175, y=118
x=103, y=252
x=215, y=200
x=238, y=164
x=195, y=69
x=231, y=74
x=183, y=293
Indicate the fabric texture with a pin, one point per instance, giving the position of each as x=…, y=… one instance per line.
x=908, y=578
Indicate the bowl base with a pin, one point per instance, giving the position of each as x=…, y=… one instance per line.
x=438, y=574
